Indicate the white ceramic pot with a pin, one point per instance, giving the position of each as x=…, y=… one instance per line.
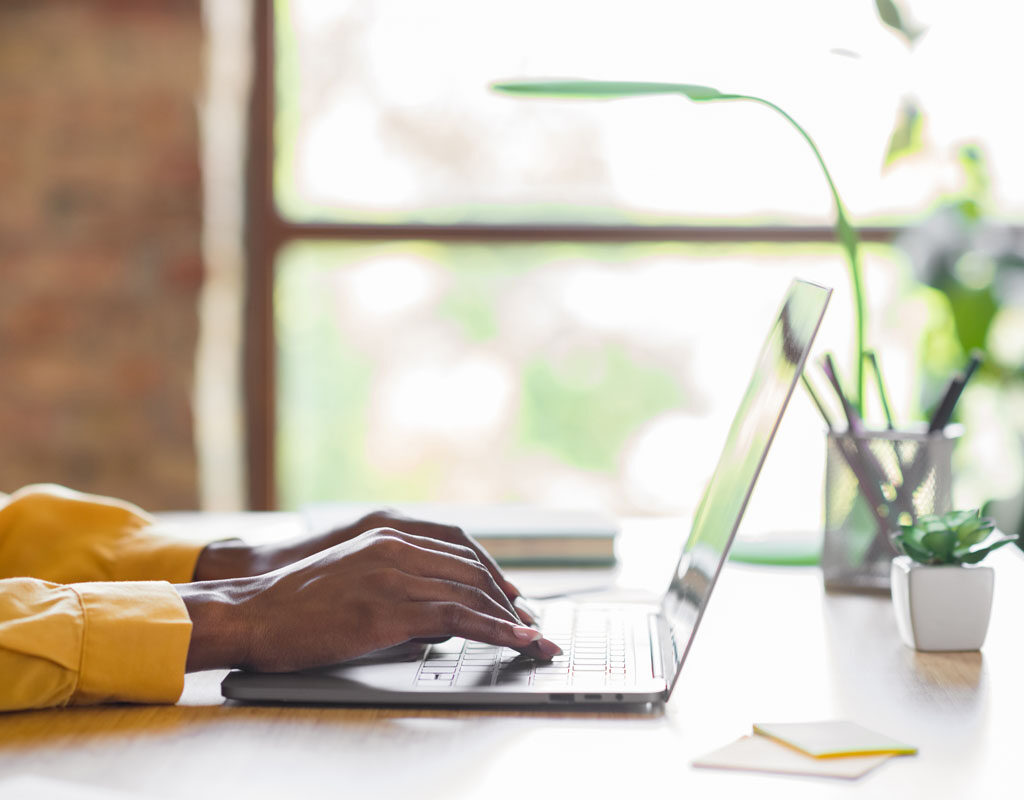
x=941, y=607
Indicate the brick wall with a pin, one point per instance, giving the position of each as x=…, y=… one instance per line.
x=100, y=262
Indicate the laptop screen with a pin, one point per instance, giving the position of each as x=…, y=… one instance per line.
x=753, y=428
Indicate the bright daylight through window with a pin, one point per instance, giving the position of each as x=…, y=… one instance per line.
x=586, y=372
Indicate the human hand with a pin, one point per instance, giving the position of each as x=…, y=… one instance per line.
x=235, y=559
x=375, y=590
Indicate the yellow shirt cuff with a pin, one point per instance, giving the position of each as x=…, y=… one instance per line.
x=134, y=643
x=149, y=556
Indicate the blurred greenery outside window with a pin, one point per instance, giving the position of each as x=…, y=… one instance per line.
x=601, y=374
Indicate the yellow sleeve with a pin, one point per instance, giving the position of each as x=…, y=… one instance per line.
x=90, y=643
x=60, y=535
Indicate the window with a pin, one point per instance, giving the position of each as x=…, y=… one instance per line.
x=468, y=297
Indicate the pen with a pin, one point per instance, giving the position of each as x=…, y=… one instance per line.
x=855, y=423
x=913, y=473
x=817, y=402
x=869, y=473
x=872, y=473
x=851, y=446
x=944, y=412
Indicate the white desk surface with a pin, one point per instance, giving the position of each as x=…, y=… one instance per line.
x=773, y=647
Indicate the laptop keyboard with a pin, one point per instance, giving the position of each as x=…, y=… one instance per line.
x=597, y=652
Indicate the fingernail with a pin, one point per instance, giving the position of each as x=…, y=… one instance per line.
x=524, y=634
x=547, y=648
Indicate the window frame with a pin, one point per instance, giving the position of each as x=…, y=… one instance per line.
x=268, y=231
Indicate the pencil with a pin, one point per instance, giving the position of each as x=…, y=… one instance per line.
x=855, y=423
x=817, y=401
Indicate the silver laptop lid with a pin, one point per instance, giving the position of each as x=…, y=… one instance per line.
x=753, y=428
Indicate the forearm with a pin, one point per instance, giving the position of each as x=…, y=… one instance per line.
x=221, y=631
x=230, y=558
x=233, y=558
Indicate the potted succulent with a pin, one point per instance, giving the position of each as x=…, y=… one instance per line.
x=942, y=595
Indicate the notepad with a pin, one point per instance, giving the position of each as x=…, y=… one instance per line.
x=761, y=754
x=827, y=749
x=833, y=739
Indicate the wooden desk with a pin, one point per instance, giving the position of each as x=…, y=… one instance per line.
x=773, y=647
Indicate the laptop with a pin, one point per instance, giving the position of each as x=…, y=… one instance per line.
x=614, y=653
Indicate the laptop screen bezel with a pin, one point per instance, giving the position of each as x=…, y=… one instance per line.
x=674, y=653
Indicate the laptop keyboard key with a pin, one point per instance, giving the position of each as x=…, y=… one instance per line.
x=594, y=655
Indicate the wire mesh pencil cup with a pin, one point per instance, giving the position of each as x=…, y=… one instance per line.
x=874, y=482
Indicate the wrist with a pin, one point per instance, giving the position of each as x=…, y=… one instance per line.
x=233, y=558
x=224, y=560
x=221, y=633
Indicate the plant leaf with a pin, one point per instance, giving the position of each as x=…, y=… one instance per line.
x=907, y=135
x=594, y=89
x=966, y=526
x=941, y=544
x=978, y=553
x=993, y=539
x=917, y=536
x=912, y=537
x=914, y=550
x=957, y=518
x=609, y=90
x=974, y=532
x=908, y=542
x=890, y=14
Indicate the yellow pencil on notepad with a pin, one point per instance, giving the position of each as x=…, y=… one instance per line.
x=833, y=739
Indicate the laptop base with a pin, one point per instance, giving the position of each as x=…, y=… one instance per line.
x=607, y=661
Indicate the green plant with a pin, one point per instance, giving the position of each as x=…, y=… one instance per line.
x=608, y=90
x=957, y=537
